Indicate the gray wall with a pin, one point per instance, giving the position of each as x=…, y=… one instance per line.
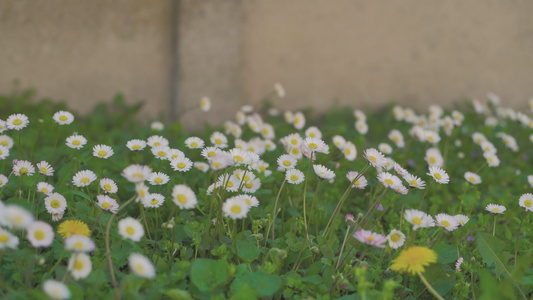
x=357, y=52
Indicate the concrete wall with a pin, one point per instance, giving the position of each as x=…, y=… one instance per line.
x=357, y=52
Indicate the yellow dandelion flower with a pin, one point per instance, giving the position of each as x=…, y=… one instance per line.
x=73, y=227
x=413, y=260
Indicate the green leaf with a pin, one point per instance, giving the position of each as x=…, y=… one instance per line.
x=248, y=251
x=263, y=284
x=78, y=193
x=207, y=274
x=178, y=294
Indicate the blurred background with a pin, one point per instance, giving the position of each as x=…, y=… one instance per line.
x=359, y=53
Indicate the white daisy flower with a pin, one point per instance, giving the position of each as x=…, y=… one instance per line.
x=349, y=151
x=161, y=152
x=184, y=197
x=292, y=140
x=6, y=141
x=414, y=181
x=79, y=243
x=389, y=180
x=3, y=126
x=448, y=222
x=434, y=157
x=175, y=153
x=194, y=143
x=374, y=158
x=478, y=138
x=13, y=216
x=458, y=264
x=108, y=186
x=45, y=188
x=80, y=265
x=294, y=176
x=323, y=173
x=57, y=217
x=267, y=132
x=296, y=152
x=220, y=161
x=136, y=173
x=107, y=203
x=45, y=168
x=157, y=126
x=299, y=120
x=235, y=208
x=130, y=228
x=136, y=145
x=4, y=152
x=157, y=140
x=23, y=167
x=495, y=208
x=243, y=157
x=83, y=178
x=313, y=132
x=439, y=175
x=240, y=117
x=316, y=145
x=418, y=219
x=55, y=203
x=250, y=200
x=141, y=266
x=154, y=200
x=431, y=137
x=359, y=115
x=158, y=178
x=209, y=152
x=385, y=148
x=270, y=145
x=361, y=127
x=17, y=121
x=251, y=186
x=142, y=191
x=102, y=151
x=472, y=178
x=201, y=166
x=3, y=180
x=288, y=116
x=8, y=240
x=526, y=201
x=280, y=91
x=56, y=290
x=40, y=234
x=399, y=169
x=63, y=117
x=339, y=142
x=396, y=239
x=76, y=141
x=492, y=159
x=360, y=183
x=181, y=164
x=462, y=219
x=488, y=147
x=205, y=103
x=219, y=140
x=397, y=137
x=286, y=162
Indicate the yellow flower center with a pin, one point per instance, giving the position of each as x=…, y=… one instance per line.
x=372, y=158
x=417, y=221
x=430, y=138
x=296, y=120
x=18, y=220
x=44, y=170
x=218, y=141
x=154, y=201
x=238, y=158
x=445, y=223
x=39, y=235
x=432, y=160
x=347, y=151
x=312, y=134
x=294, y=178
x=294, y=141
x=44, y=190
x=130, y=230
x=216, y=164
x=395, y=237
x=4, y=143
x=357, y=182
x=528, y=203
x=181, y=165
x=235, y=209
x=63, y=118
x=438, y=176
x=85, y=180
x=55, y=203
x=102, y=153
x=395, y=139
x=78, y=265
x=107, y=187
x=182, y=198
x=246, y=178
x=4, y=238
x=249, y=185
x=294, y=151
x=472, y=179
x=194, y=144
x=262, y=168
x=162, y=153
x=371, y=238
x=78, y=245
x=17, y=121
x=495, y=209
x=389, y=181
x=313, y=145
x=106, y=205
x=413, y=183
x=75, y=142
x=157, y=144
x=136, y=147
x=23, y=171
x=139, y=268
x=158, y=180
x=138, y=175
x=490, y=159
x=248, y=201
x=142, y=193
x=229, y=184
x=211, y=153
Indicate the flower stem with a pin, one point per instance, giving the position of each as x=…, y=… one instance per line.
x=141, y=207
x=313, y=204
x=517, y=237
x=425, y=193
x=57, y=263
x=429, y=287
x=274, y=213
x=494, y=227
x=108, y=248
x=305, y=194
